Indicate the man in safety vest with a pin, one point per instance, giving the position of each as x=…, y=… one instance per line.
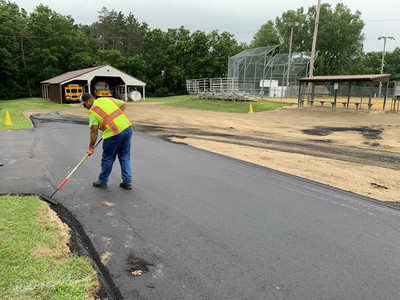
x=107, y=114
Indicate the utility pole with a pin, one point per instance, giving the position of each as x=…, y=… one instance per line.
x=314, y=45
x=314, y=39
x=383, y=57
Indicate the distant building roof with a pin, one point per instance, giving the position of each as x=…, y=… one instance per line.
x=90, y=73
x=69, y=75
x=348, y=78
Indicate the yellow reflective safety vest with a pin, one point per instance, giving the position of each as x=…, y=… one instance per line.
x=110, y=117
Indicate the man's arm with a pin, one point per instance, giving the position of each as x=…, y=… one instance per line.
x=93, y=138
x=123, y=107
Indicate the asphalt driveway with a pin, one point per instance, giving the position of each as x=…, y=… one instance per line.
x=205, y=226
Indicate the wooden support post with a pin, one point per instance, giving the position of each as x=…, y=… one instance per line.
x=370, y=96
x=299, y=102
x=348, y=97
x=393, y=104
x=386, y=93
x=336, y=91
x=313, y=91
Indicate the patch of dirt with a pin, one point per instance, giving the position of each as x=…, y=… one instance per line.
x=48, y=219
x=354, y=151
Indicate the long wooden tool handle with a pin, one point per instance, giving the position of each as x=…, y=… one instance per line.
x=77, y=166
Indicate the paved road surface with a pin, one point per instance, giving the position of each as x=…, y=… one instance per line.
x=207, y=226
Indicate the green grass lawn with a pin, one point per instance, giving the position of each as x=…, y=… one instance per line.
x=33, y=265
x=15, y=108
x=187, y=101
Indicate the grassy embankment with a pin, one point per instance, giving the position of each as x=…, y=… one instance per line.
x=35, y=261
x=15, y=108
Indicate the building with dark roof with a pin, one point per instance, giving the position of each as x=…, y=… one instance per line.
x=121, y=84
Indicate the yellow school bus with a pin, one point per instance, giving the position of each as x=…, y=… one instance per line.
x=73, y=92
x=102, y=89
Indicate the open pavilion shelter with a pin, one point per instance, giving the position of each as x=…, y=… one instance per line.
x=336, y=79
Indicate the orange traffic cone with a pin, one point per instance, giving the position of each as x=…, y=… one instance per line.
x=8, y=120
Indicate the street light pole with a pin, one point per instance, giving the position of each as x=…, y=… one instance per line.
x=291, y=24
x=383, y=57
x=290, y=56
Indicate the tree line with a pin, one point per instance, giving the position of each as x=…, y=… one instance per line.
x=44, y=44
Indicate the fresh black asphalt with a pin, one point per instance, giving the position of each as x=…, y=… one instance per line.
x=205, y=226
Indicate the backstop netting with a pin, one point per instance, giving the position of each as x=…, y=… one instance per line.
x=255, y=73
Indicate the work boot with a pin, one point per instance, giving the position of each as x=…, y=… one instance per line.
x=99, y=185
x=126, y=185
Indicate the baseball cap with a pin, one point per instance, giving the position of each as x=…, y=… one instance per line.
x=84, y=97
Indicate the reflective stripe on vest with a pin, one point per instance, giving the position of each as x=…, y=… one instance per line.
x=107, y=120
x=99, y=111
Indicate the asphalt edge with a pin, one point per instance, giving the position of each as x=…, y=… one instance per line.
x=81, y=244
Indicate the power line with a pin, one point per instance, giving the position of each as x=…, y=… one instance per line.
x=59, y=37
x=367, y=21
x=386, y=20
x=34, y=37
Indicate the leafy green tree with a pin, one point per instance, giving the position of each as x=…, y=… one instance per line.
x=199, y=48
x=222, y=46
x=339, y=40
x=154, y=44
x=116, y=31
x=174, y=56
x=54, y=45
x=81, y=54
x=137, y=67
x=392, y=64
x=112, y=57
x=372, y=62
x=303, y=31
x=107, y=30
x=12, y=26
x=134, y=33
x=178, y=65
x=267, y=35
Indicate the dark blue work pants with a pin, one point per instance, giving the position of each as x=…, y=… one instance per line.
x=119, y=144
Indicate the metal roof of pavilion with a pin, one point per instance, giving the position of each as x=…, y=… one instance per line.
x=347, y=78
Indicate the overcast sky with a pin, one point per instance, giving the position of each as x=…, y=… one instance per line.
x=240, y=17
